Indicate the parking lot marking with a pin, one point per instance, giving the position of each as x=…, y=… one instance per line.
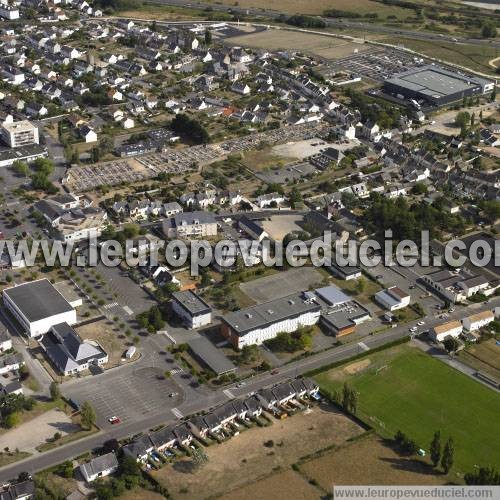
x=228, y=393
x=177, y=413
x=363, y=346
x=109, y=306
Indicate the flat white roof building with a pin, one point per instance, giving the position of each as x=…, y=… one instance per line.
x=38, y=306
x=22, y=133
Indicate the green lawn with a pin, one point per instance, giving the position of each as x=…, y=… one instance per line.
x=404, y=388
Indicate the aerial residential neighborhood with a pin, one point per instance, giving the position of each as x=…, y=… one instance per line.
x=248, y=249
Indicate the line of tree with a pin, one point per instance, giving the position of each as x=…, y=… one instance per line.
x=438, y=454
x=306, y=21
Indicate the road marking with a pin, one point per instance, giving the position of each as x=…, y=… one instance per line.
x=175, y=371
x=228, y=393
x=109, y=306
x=128, y=310
x=177, y=413
x=363, y=346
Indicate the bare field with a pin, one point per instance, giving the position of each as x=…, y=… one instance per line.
x=292, y=438
x=368, y=461
x=286, y=484
x=108, y=338
x=484, y=356
x=327, y=47
x=319, y=6
x=278, y=227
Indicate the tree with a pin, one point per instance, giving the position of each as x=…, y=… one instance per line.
x=12, y=419
x=87, y=415
x=346, y=397
x=55, y=392
x=167, y=374
x=360, y=286
x=448, y=456
x=451, y=344
x=129, y=466
x=462, y=119
x=21, y=168
x=419, y=188
x=435, y=448
x=353, y=402
x=485, y=476
x=208, y=37
x=200, y=458
x=488, y=29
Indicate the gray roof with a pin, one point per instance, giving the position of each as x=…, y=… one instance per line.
x=67, y=350
x=262, y=315
x=333, y=295
x=191, y=218
x=100, y=464
x=191, y=302
x=38, y=300
x=162, y=437
x=210, y=355
x=434, y=81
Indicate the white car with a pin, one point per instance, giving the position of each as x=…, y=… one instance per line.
x=413, y=329
x=421, y=323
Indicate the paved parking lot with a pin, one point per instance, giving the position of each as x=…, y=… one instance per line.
x=127, y=393
x=377, y=63
x=282, y=284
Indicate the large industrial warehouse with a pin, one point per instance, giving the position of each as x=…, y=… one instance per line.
x=38, y=306
x=435, y=85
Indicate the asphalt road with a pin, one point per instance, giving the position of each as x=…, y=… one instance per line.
x=203, y=399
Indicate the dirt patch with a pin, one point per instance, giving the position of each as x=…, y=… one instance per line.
x=142, y=494
x=357, y=366
x=368, y=461
x=282, y=284
x=292, y=438
x=278, y=227
x=286, y=484
x=28, y=436
x=110, y=337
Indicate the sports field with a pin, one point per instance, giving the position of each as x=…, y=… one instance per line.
x=404, y=388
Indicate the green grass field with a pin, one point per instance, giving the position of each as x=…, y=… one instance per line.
x=404, y=388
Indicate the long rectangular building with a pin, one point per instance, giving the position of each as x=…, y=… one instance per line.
x=436, y=85
x=38, y=306
x=262, y=322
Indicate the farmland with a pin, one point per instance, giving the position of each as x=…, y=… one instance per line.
x=484, y=357
x=405, y=389
x=319, y=6
x=471, y=56
x=327, y=47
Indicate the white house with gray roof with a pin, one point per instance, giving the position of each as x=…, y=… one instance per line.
x=99, y=467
